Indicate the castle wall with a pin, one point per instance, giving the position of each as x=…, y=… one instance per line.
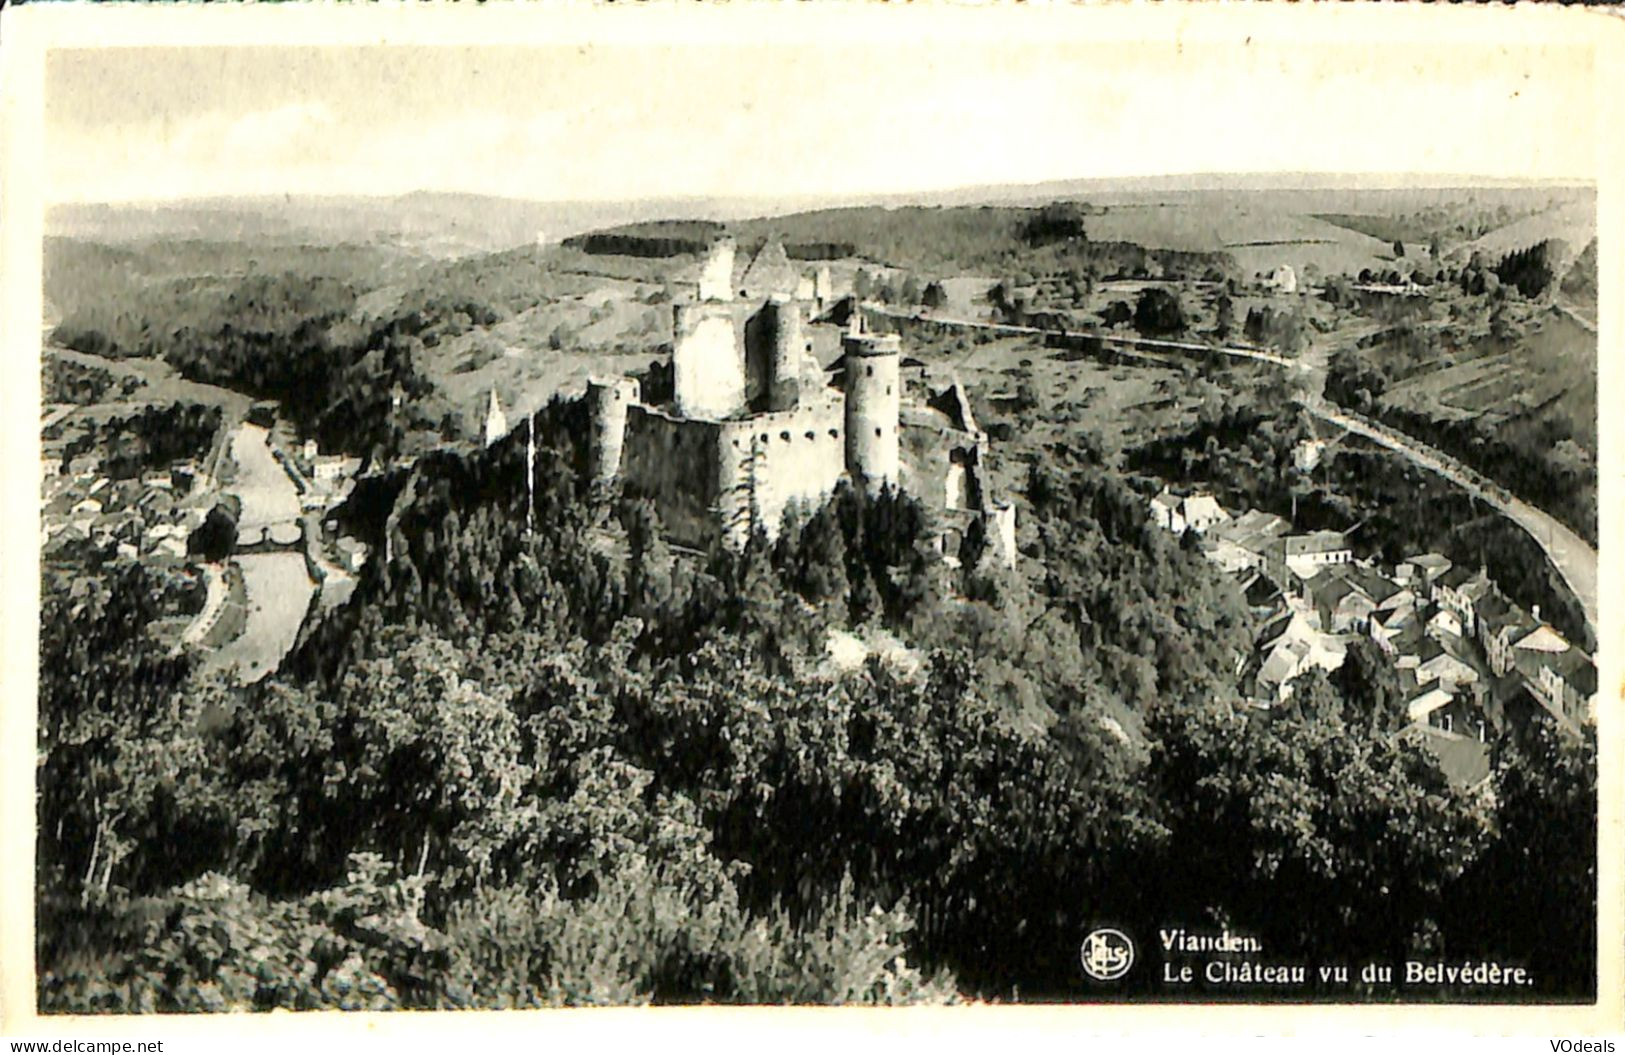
x=607, y=406
x=722, y=478
x=797, y=456
x=677, y=463
x=874, y=396
x=707, y=368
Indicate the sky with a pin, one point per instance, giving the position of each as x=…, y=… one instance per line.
x=628, y=120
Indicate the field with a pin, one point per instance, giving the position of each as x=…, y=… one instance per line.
x=1547, y=373
x=1257, y=237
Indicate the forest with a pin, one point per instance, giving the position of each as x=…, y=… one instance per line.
x=526, y=768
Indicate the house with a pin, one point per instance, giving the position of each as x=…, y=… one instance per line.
x=1255, y=523
x=330, y=467
x=1199, y=511
x=1420, y=571
x=1499, y=627
x=1291, y=646
x=1445, y=668
x=1202, y=511
x=1391, y=630
x=1165, y=512
x=1238, y=543
x=1459, y=590
x=1284, y=279
x=1414, y=649
x=352, y=553
x=1293, y=558
x=1386, y=594
x=1565, y=682
x=1339, y=602
x=1427, y=698
x=1444, y=624
x=1262, y=594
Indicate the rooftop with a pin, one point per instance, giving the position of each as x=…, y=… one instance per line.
x=1315, y=542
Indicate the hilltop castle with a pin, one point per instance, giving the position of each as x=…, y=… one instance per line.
x=754, y=423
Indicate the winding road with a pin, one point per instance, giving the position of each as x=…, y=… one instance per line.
x=1570, y=554
x=1574, y=558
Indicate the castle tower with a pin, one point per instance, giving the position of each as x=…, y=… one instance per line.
x=607, y=403
x=787, y=342
x=874, y=398
x=774, y=356
x=708, y=373
x=717, y=273
x=496, y=422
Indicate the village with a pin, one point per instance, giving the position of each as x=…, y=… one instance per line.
x=1467, y=659
x=240, y=525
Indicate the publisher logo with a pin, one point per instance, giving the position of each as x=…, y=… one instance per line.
x=1107, y=954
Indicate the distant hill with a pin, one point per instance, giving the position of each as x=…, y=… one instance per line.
x=429, y=223
x=453, y=224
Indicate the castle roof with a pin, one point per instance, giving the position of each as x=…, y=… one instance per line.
x=770, y=272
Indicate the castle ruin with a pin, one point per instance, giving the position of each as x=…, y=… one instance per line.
x=754, y=423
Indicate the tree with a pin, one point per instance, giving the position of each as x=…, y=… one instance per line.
x=1158, y=311
x=1226, y=320
x=1116, y=313
x=935, y=296
x=1533, y=896
x=216, y=538
x=1399, y=249
x=1311, y=826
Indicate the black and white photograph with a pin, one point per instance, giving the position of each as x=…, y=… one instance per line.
x=861, y=511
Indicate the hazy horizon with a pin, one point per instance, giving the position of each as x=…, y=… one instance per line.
x=1189, y=182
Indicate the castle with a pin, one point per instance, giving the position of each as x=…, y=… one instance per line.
x=753, y=423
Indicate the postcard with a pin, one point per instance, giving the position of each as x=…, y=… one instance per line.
x=1085, y=514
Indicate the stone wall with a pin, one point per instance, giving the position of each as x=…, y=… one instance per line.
x=676, y=462
x=795, y=456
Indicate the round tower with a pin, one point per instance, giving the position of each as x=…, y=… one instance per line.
x=784, y=365
x=607, y=404
x=874, y=398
